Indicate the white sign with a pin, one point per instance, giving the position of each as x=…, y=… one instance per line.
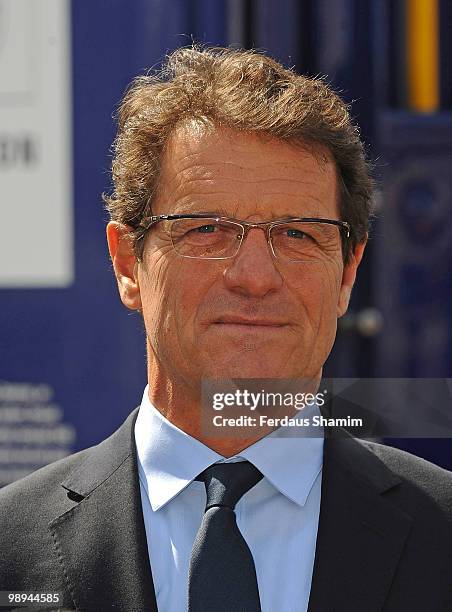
x=36, y=228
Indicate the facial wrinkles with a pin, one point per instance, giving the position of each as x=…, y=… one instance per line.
x=167, y=263
x=208, y=191
x=195, y=177
x=318, y=343
x=327, y=279
x=159, y=256
x=163, y=326
x=196, y=162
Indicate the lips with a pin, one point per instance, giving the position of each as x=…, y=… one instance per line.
x=258, y=322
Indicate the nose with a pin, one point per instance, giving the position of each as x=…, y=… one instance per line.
x=252, y=272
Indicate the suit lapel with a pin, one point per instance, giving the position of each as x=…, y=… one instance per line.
x=101, y=542
x=361, y=534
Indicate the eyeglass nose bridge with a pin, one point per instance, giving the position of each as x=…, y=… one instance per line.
x=265, y=226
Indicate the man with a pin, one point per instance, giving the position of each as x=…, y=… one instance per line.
x=238, y=221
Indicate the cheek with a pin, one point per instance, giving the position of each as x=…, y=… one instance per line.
x=315, y=287
x=173, y=289
x=157, y=281
x=193, y=290
x=316, y=284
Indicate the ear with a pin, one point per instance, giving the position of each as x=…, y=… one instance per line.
x=124, y=263
x=348, y=277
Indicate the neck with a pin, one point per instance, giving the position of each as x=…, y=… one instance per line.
x=181, y=404
x=185, y=413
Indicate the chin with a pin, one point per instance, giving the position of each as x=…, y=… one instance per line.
x=246, y=368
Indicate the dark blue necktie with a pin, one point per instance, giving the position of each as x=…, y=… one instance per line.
x=222, y=576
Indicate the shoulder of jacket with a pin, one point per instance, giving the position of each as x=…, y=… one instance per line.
x=40, y=482
x=419, y=474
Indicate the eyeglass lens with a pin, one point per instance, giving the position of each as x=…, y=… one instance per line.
x=217, y=239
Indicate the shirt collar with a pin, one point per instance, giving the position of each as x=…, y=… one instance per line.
x=169, y=459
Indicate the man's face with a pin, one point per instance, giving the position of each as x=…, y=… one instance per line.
x=194, y=309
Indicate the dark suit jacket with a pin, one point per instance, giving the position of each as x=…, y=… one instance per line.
x=384, y=539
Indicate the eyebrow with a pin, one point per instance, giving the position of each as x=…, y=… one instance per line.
x=221, y=212
x=197, y=207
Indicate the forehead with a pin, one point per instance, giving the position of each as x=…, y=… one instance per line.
x=247, y=172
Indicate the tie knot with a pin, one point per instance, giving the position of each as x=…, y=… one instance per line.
x=226, y=483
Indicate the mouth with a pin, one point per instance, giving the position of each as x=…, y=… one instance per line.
x=249, y=323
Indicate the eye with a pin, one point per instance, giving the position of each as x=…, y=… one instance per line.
x=296, y=233
x=206, y=229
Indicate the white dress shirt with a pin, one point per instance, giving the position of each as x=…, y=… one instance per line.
x=278, y=517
